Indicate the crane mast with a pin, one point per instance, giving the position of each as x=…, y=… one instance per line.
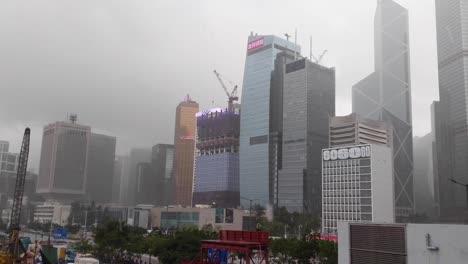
x=20, y=180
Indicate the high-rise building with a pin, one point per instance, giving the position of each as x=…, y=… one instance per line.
x=255, y=116
x=308, y=102
x=385, y=95
x=162, y=161
x=217, y=158
x=137, y=156
x=184, y=150
x=100, y=174
x=451, y=114
x=276, y=122
x=357, y=186
x=145, y=184
x=8, y=170
x=121, y=176
x=424, y=203
x=63, y=162
x=354, y=130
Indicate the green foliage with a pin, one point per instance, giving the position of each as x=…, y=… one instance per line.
x=84, y=246
x=302, y=251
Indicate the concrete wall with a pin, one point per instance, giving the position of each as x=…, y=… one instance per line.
x=452, y=241
x=383, y=201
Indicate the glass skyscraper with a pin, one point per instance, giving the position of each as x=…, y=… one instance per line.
x=255, y=116
x=385, y=95
x=450, y=116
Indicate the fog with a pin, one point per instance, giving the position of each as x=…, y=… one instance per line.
x=123, y=66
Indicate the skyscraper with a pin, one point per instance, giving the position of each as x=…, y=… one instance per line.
x=255, y=116
x=217, y=158
x=308, y=102
x=63, y=163
x=385, y=95
x=137, y=156
x=101, y=157
x=184, y=150
x=162, y=160
x=451, y=114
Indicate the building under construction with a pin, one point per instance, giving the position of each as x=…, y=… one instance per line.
x=217, y=158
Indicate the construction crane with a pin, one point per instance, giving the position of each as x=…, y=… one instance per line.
x=14, y=246
x=232, y=96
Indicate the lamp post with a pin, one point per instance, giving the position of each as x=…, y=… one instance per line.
x=86, y=221
x=462, y=184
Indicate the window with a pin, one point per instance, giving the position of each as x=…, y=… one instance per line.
x=259, y=140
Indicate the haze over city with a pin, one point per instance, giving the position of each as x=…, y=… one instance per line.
x=123, y=66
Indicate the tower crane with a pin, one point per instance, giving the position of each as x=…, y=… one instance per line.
x=13, y=254
x=232, y=96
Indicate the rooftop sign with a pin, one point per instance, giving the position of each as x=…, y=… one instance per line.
x=253, y=45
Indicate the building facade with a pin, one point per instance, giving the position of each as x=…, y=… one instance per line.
x=354, y=129
x=255, y=117
x=221, y=218
x=100, y=174
x=217, y=158
x=275, y=141
x=451, y=119
x=401, y=244
x=184, y=150
x=55, y=213
x=357, y=186
x=63, y=163
x=162, y=161
x=385, y=95
x=424, y=202
x=8, y=170
x=308, y=102
x=131, y=178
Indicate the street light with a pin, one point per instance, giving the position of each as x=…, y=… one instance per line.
x=86, y=221
x=462, y=184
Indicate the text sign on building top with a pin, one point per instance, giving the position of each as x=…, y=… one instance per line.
x=354, y=152
x=258, y=43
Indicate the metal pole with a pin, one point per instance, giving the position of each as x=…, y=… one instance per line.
x=250, y=216
x=85, y=222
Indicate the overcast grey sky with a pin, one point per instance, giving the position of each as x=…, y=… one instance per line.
x=123, y=66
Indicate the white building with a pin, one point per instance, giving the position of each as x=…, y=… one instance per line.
x=402, y=243
x=57, y=213
x=357, y=185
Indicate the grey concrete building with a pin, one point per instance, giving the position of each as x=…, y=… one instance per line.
x=385, y=95
x=136, y=157
x=424, y=202
x=254, y=151
x=308, y=102
x=354, y=129
x=162, y=160
x=100, y=174
x=63, y=163
x=451, y=114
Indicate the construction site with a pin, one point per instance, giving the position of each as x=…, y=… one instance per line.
x=217, y=153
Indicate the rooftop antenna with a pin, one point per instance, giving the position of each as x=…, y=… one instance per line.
x=73, y=118
x=295, y=44
x=310, y=54
x=312, y=57
x=287, y=36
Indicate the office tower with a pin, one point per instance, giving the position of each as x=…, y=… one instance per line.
x=63, y=162
x=217, y=158
x=276, y=122
x=355, y=130
x=385, y=95
x=145, y=183
x=162, y=160
x=308, y=102
x=121, y=176
x=116, y=180
x=8, y=169
x=451, y=114
x=255, y=116
x=424, y=202
x=100, y=174
x=184, y=150
x=357, y=185
x=136, y=157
